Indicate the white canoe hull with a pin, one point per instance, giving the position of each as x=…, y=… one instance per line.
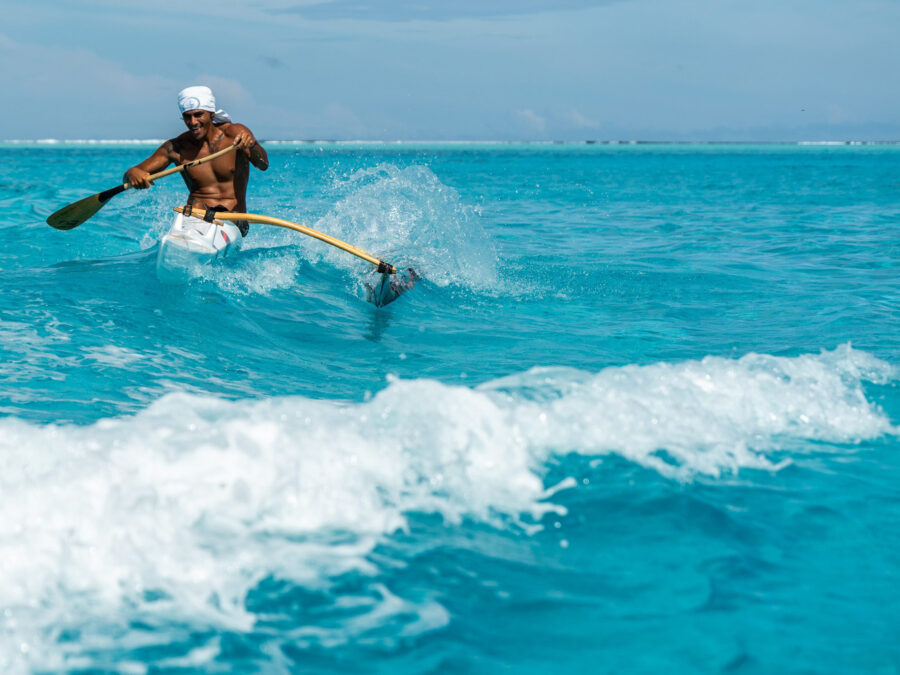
x=192, y=244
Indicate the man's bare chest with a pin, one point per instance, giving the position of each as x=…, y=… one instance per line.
x=220, y=170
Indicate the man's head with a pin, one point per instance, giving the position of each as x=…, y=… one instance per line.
x=197, y=105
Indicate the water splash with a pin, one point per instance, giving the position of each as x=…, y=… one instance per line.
x=403, y=215
x=408, y=217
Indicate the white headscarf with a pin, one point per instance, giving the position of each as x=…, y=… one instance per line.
x=196, y=98
x=201, y=98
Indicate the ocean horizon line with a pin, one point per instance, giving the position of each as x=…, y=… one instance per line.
x=300, y=142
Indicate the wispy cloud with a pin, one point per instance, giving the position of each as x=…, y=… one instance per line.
x=413, y=10
x=226, y=89
x=66, y=89
x=576, y=119
x=55, y=83
x=531, y=121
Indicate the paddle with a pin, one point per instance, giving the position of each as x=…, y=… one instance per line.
x=75, y=214
x=387, y=290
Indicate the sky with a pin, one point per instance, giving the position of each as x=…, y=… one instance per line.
x=667, y=70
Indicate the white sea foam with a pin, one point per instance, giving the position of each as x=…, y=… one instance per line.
x=708, y=417
x=27, y=354
x=256, y=275
x=112, y=356
x=175, y=514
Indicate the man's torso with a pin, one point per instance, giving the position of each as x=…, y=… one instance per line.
x=221, y=182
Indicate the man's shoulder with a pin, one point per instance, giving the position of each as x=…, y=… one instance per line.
x=177, y=144
x=231, y=129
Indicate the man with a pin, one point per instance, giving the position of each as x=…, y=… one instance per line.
x=220, y=183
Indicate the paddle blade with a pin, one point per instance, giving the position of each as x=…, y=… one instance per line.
x=75, y=214
x=390, y=287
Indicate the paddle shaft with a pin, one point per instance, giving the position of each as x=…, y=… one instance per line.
x=72, y=215
x=189, y=165
x=383, y=267
x=112, y=192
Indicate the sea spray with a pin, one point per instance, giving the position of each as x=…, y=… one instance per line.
x=408, y=216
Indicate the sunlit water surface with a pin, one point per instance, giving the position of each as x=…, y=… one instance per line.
x=639, y=416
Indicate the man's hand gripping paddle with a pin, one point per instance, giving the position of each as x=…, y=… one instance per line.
x=75, y=214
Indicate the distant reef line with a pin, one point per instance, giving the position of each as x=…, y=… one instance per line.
x=302, y=142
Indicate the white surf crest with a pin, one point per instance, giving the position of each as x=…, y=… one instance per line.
x=177, y=513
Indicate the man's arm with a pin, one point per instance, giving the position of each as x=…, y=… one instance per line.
x=139, y=176
x=246, y=141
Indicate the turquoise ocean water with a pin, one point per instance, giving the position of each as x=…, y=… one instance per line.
x=641, y=415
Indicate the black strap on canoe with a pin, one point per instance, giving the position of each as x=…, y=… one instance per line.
x=211, y=213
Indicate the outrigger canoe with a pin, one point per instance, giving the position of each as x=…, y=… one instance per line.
x=202, y=237
x=205, y=236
